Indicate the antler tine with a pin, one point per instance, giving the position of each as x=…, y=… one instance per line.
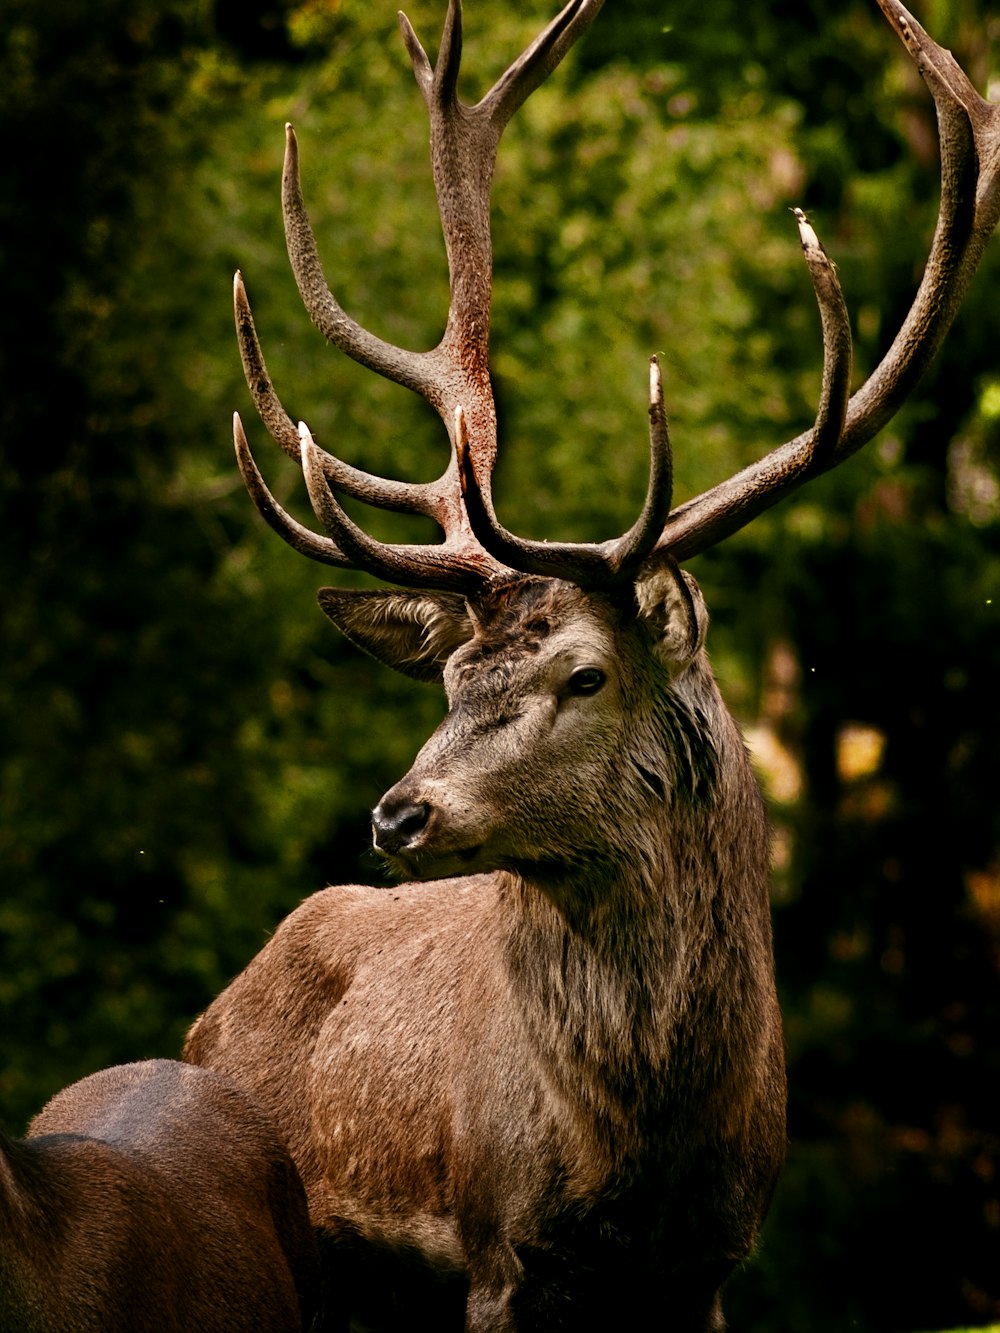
x=299, y=538
x=442, y=87
x=837, y=348
x=461, y=568
x=631, y=549
x=538, y=61
x=969, y=132
x=523, y=76
x=736, y=503
x=269, y=408
x=589, y=564
x=969, y=135
x=407, y=368
x=403, y=497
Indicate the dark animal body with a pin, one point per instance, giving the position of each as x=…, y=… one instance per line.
x=153, y=1198
x=542, y=1087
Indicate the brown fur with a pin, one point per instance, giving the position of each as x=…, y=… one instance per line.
x=553, y=1074
x=157, y=1197
x=546, y=1090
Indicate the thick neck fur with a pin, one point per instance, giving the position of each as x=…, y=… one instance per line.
x=639, y=976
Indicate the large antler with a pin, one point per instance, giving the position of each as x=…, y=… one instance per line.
x=609, y=562
x=454, y=376
x=969, y=131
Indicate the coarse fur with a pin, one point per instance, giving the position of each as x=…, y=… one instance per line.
x=153, y=1198
x=554, y=1073
x=546, y=1089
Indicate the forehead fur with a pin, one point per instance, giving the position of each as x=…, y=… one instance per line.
x=517, y=618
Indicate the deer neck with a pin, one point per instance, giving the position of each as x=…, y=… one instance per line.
x=622, y=973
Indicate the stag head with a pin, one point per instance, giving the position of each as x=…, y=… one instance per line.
x=543, y=680
x=540, y=643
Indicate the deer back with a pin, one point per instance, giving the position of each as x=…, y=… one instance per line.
x=153, y=1196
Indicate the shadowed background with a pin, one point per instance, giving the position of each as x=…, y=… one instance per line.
x=187, y=746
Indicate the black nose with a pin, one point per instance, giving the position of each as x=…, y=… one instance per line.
x=397, y=825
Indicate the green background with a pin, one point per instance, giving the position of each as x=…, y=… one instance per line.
x=188, y=748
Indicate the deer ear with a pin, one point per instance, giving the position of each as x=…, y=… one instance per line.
x=414, y=632
x=671, y=604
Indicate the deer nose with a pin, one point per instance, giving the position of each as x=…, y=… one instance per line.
x=397, y=825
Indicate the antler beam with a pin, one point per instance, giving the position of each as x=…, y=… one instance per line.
x=969, y=130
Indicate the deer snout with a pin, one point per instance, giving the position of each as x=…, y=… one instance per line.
x=398, y=824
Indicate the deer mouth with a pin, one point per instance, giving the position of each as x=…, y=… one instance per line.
x=427, y=862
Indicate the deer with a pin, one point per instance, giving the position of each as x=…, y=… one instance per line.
x=540, y=1083
x=153, y=1196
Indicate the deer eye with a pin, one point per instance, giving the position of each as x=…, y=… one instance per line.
x=586, y=680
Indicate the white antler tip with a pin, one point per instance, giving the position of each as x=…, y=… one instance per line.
x=239, y=437
x=306, y=441
x=807, y=234
x=461, y=427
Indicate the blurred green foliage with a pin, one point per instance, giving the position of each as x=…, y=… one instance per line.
x=188, y=749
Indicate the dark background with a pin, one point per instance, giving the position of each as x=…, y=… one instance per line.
x=188, y=748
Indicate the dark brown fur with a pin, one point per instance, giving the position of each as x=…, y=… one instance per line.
x=557, y=1079
x=153, y=1197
